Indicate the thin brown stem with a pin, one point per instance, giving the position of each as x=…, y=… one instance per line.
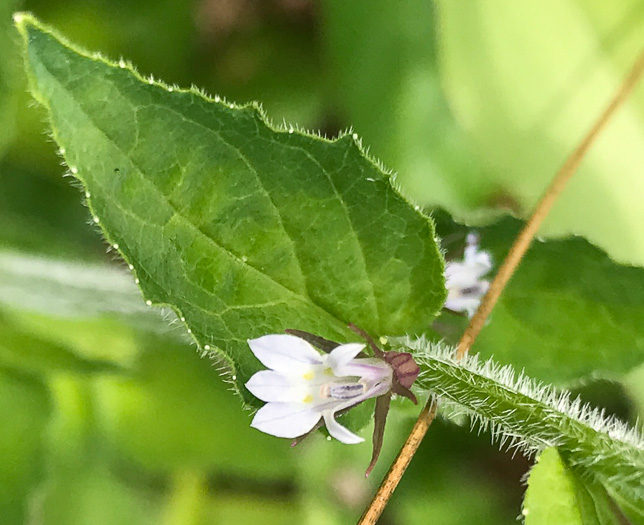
x=400, y=464
x=511, y=262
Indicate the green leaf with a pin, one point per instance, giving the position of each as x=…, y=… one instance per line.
x=527, y=81
x=634, y=384
x=242, y=228
x=556, y=495
x=101, y=340
x=569, y=311
x=530, y=416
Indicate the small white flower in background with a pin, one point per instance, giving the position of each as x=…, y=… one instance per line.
x=463, y=279
x=303, y=386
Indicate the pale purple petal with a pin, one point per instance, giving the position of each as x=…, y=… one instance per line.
x=285, y=353
x=268, y=385
x=287, y=420
x=341, y=356
x=339, y=432
x=370, y=369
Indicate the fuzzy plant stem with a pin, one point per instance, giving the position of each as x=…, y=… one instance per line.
x=529, y=416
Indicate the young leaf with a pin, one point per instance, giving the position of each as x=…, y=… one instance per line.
x=568, y=313
x=242, y=228
x=550, y=497
x=556, y=495
x=530, y=416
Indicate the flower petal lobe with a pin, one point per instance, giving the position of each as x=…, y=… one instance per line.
x=271, y=386
x=288, y=420
x=285, y=353
x=339, y=432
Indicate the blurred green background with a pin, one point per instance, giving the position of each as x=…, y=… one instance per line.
x=108, y=421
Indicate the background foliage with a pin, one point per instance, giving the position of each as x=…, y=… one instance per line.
x=111, y=417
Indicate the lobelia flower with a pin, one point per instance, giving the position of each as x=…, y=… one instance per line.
x=465, y=288
x=304, y=388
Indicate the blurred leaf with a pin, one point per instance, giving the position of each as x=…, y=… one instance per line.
x=39, y=214
x=76, y=312
x=81, y=487
x=247, y=509
x=92, y=308
x=22, y=350
x=527, y=81
x=452, y=461
x=568, y=313
x=187, y=500
x=174, y=412
x=158, y=34
x=634, y=384
x=243, y=229
x=101, y=339
x=68, y=289
x=557, y=496
x=388, y=89
x=24, y=412
x=90, y=495
x=530, y=416
x=264, y=51
x=445, y=504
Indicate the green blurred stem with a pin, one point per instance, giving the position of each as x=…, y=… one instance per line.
x=187, y=499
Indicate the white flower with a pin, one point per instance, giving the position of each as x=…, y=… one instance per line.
x=463, y=279
x=303, y=385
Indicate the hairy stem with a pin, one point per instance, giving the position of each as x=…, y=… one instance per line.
x=530, y=416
